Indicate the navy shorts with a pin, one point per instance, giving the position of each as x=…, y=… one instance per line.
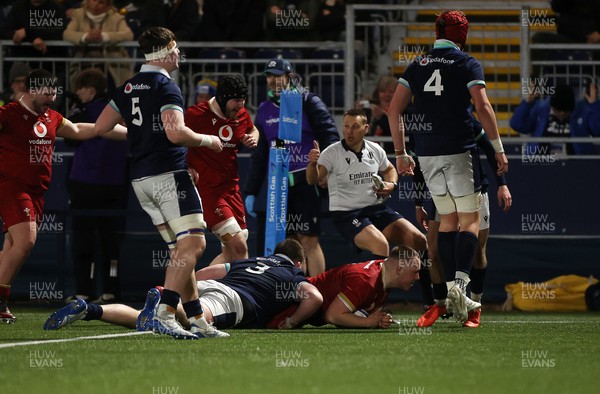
x=350, y=223
x=304, y=210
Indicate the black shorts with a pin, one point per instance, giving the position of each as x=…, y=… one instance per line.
x=350, y=223
x=304, y=210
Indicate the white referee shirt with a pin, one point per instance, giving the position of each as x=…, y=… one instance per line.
x=349, y=174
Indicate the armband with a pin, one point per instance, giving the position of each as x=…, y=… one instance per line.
x=497, y=144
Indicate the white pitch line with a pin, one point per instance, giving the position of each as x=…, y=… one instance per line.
x=528, y=321
x=129, y=334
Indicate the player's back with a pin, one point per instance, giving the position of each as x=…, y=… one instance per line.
x=140, y=102
x=269, y=283
x=440, y=83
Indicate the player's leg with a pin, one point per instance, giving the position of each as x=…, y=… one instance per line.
x=20, y=228
x=373, y=240
x=304, y=223
x=78, y=309
x=401, y=231
x=315, y=259
x=174, y=206
x=225, y=216
x=436, y=271
x=480, y=263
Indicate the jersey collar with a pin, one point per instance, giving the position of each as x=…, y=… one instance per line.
x=443, y=43
x=150, y=68
x=214, y=107
x=24, y=105
x=359, y=153
x=283, y=256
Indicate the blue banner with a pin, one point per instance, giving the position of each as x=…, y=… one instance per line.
x=277, y=197
x=290, y=116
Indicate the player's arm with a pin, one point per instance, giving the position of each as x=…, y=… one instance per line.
x=339, y=315
x=179, y=134
x=488, y=121
x=85, y=131
x=250, y=139
x=311, y=301
x=107, y=123
x=216, y=271
x=402, y=96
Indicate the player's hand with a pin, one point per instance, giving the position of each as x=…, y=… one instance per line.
x=287, y=324
x=504, y=198
x=405, y=165
x=216, y=144
x=249, y=141
x=502, y=163
x=19, y=35
x=40, y=45
x=422, y=219
x=314, y=154
x=380, y=319
x=249, y=203
x=194, y=175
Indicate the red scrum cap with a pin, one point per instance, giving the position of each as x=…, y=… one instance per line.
x=453, y=26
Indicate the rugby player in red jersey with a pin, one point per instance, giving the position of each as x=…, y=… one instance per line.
x=217, y=177
x=28, y=128
x=361, y=287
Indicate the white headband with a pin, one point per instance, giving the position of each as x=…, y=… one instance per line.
x=162, y=52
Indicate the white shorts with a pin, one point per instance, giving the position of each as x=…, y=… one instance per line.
x=167, y=196
x=451, y=174
x=484, y=213
x=224, y=303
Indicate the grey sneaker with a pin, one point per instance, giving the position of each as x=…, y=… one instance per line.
x=164, y=323
x=456, y=301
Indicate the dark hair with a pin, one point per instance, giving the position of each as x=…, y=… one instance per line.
x=40, y=78
x=292, y=249
x=563, y=98
x=91, y=77
x=356, y=112
x=155, y=38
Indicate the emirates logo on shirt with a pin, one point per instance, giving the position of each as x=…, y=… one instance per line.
x=40, y=129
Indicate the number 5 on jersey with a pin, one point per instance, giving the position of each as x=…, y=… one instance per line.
x=434, y=83
x=136, y=112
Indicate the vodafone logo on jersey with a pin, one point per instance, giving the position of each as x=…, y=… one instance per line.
x=138, y=86
x=226, y=133
x=40, y=129
x=424, y=61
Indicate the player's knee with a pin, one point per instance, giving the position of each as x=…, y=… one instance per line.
x=419, y=241
x=238, y=248
x=227, y=230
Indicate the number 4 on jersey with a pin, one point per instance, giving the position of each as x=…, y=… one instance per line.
x=434, y=83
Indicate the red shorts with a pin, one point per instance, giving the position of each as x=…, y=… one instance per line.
x=221, y=204
x=18, y=206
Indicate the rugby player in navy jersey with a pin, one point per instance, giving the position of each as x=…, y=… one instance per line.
x=477, y=274
x=244, y=294
x=151, y=105
x=442, y=84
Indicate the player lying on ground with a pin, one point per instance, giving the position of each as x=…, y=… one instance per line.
x=245, y=294
x=361, y=287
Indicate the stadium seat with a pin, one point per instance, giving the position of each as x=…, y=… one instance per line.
x=217, y=67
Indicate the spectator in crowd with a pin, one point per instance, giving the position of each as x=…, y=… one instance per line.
x=289, y=20
x=331, y=20
x=378, y=109
x=578, y=20
x=559, y=116
x=96, y=182
x=304, y=203
x=95, y=28
x=35, y=21
x=240, y=20
x=355, y=196
x=205, y=90
x=16, y=82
